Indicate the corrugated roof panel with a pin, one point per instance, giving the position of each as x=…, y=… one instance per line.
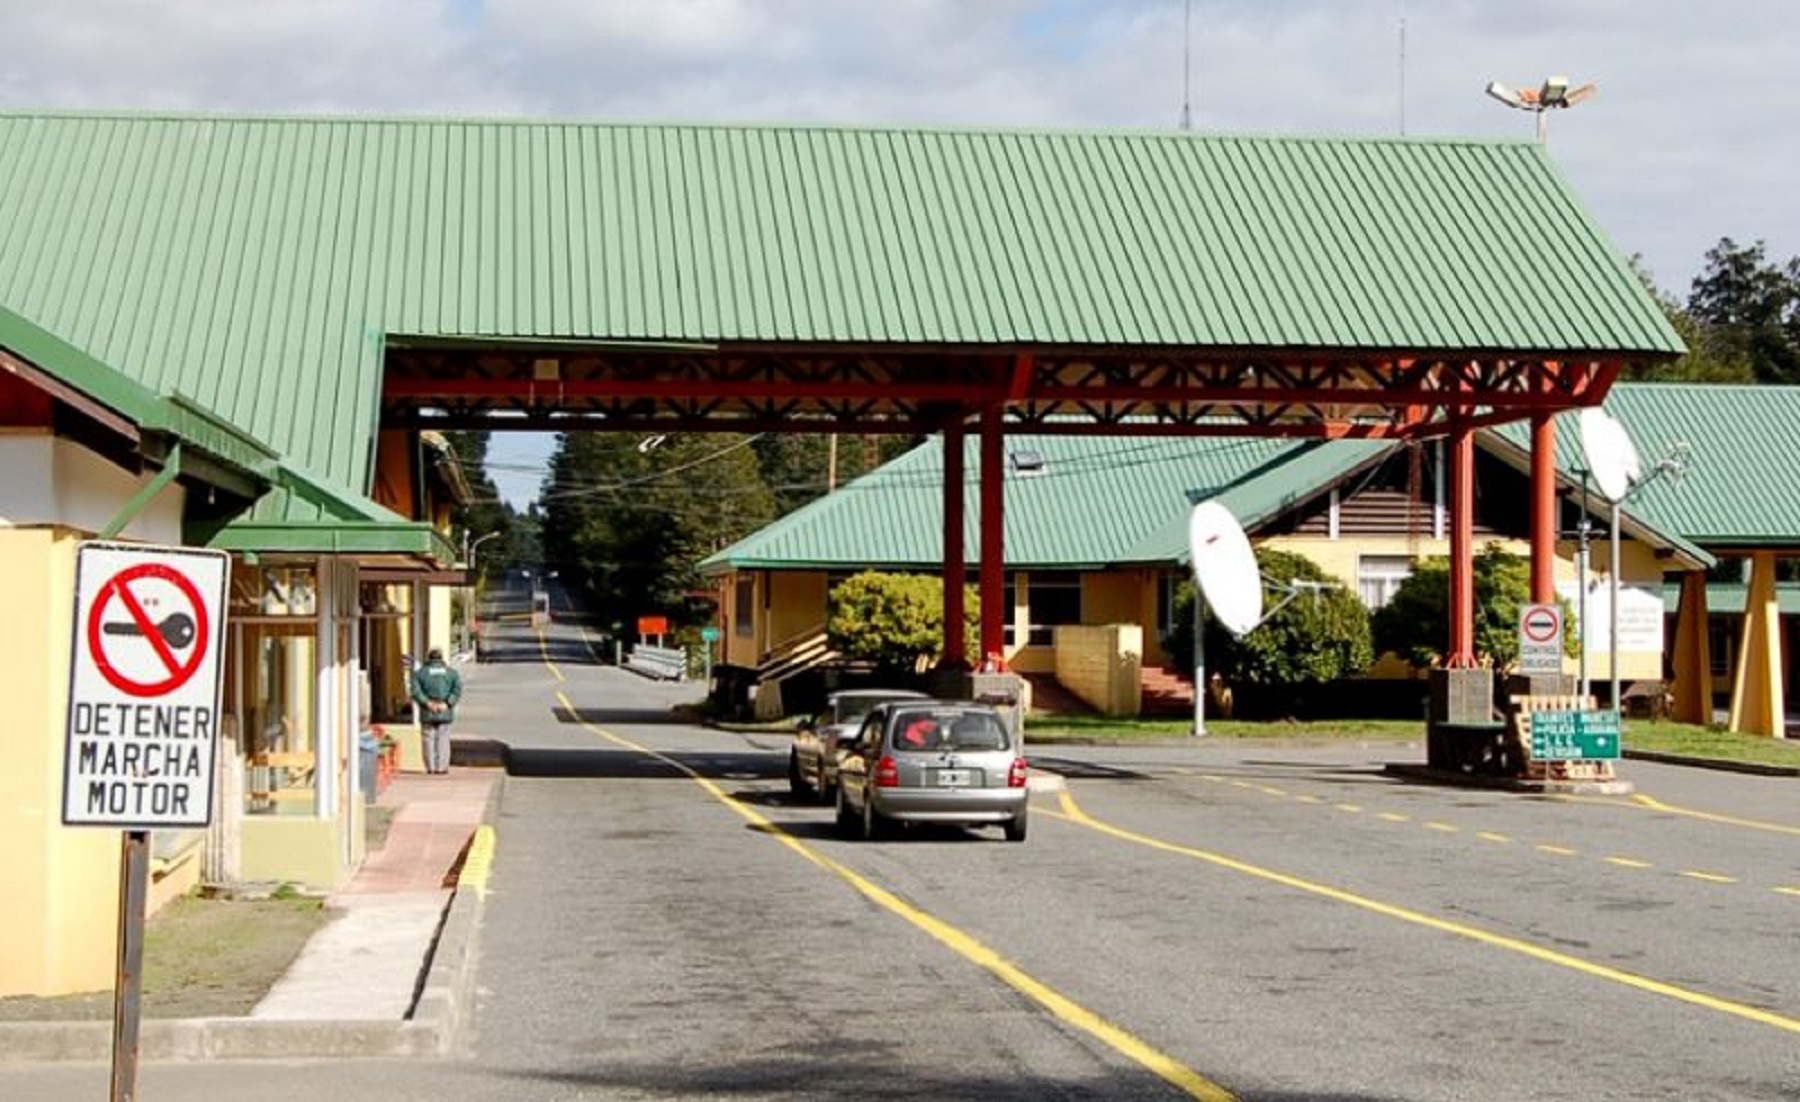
x=1741, y=480
x=257, y=262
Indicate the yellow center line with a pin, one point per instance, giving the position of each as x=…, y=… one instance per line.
x=1709, y=877
x=1458, y=929
x=1394, y=817
x=1491, y=836
x=544, y=649
x=1445, y=828
x=1628, y=862
x=1271, y=791
x=1309, y=799
x=1643, y=802
x=1788, y=891
x=1556, y=851
x=1066, y=1010
x=1351, y=808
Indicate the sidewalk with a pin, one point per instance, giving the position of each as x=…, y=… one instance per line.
x=389, y=977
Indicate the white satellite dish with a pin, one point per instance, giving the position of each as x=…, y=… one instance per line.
x=1225, y=567
x=1610, y=454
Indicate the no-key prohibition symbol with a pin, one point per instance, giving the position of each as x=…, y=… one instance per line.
x=179, y=630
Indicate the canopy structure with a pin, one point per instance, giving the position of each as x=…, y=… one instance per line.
x=312, y=279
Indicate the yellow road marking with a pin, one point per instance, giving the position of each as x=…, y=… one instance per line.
x=1445, y=828
x=1557, y=851
x=1309, y=799
x=1788, y=891
x=1709, y=877
x=1068, y=1011
x=479, y=863
x=1241, y=784
x=1627, y=862
x=1352, y=808
x=1458, y=929
x=1649, y=803
x=1271, y=791
x=544, y=649
x=1394, y=817
x=1491, y=836
x=1213, y=777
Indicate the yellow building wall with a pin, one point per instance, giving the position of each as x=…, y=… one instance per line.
x=59, y=887
x=1638, y=566
x=796, y=605
x=1103, y=665
x=1113, y=597
x=302, y=849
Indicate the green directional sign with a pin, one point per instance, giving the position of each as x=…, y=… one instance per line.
x=709, y=634
x=1574, y=736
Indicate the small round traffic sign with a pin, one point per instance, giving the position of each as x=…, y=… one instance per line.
x=1541, y=624
x=135, y=652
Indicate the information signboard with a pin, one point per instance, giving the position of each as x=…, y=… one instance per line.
x=1574, y=736
x=144, y=679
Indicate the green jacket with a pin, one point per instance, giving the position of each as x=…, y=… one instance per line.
x=436, y=681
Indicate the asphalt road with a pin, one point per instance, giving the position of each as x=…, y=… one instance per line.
x=1220, y=919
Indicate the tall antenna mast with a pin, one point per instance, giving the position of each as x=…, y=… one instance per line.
x=1187, y=66
x=1403, y=68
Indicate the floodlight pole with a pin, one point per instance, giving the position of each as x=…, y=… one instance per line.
x=1199, y=663
x=1581, y=584
x=1612, y=574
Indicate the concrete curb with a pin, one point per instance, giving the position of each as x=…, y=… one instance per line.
x=1429, y=775
x=1722, y=764
x=434, y=1027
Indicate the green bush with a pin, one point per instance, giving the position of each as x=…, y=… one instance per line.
x=1321, y=634
x=895, y=621
x=1416, y=623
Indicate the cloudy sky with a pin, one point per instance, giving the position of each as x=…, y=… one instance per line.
x=1691, y=137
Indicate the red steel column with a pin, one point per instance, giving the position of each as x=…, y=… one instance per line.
x=993, y=539
x=956, y=569
x=1543, y=508
x=1462, y=547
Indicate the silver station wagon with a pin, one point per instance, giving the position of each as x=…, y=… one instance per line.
x=820, y=741
x=932, y=761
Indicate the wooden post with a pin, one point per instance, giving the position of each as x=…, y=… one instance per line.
x=128, y=984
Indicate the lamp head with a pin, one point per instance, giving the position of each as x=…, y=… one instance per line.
x=1504, y=94
x=1555, y=92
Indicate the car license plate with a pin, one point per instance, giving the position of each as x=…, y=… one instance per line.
x=953, y=778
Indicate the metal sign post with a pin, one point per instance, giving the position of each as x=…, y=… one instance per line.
x=142, y=728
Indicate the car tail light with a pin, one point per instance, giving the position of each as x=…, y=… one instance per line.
x=1015, y=777
x=887, y=773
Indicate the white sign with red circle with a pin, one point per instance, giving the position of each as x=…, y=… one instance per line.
x=1540, y=639
x=144, y=681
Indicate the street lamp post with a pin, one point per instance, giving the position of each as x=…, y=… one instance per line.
x=469, y=549
x=1553, y=93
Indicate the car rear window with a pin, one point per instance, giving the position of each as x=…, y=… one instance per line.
x=948, y=729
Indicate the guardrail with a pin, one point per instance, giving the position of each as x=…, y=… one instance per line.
x=662, y=663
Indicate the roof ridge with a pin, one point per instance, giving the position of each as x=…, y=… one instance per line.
x=125, y=114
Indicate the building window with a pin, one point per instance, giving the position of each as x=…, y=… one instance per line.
x=743, y=606
x=1379, y=576
x=274, y=670
x=1052, y=599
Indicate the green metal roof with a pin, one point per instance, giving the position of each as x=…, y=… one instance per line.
x=258, y=264
x=1741, y=482
x=1728, y=598
x=1100, y=502
x=297, y=511
x=174, y=415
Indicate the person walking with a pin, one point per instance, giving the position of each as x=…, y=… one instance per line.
x=435, y=689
